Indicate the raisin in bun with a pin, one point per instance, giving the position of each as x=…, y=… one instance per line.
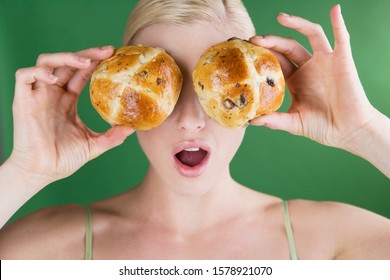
x=138, y=87
x=237, y=81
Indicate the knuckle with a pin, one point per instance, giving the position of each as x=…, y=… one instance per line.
x=86, y=75
x=317, y=28
x=19, y=73
x=292, y=44
x=69, y=56
x=42, y=58
x=347, y=36
x=16, y=104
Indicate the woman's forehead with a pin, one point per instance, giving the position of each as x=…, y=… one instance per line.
x=182, y=40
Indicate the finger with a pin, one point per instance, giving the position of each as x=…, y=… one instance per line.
x=112, y=138
x=25, y=77
x=55, y=60
x=287, y=66
x=80, y=79
x=281, y=121
x=342, y=39
x=312, y=31
x=286, y=46
x=94, y=54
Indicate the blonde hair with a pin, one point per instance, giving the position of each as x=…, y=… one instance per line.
x=180, y=12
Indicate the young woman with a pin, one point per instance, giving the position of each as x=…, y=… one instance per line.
x=198, y=212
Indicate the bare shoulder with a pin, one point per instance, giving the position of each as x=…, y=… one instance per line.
x=51, y=233
x=341, y=230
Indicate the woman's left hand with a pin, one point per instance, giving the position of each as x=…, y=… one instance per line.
x=329, y=104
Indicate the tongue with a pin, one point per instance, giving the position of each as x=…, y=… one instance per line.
x=191, y=158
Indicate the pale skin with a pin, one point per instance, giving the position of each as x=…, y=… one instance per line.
x=168, y=216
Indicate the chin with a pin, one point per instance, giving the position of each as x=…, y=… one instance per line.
x=192, y=187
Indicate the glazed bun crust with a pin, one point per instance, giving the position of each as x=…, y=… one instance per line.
x=237, y=81
x=138, y=87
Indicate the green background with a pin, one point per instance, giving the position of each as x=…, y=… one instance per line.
x=273, y=162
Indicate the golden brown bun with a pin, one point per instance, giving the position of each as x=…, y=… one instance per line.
x=138, y=87
x=237, y=81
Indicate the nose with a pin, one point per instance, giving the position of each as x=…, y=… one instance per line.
x=188, y=113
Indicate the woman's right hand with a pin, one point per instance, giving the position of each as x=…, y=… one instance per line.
x=51, y=142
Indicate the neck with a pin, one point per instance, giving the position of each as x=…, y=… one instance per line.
x=169, y=204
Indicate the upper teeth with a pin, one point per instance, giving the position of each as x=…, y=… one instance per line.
x=191, y=149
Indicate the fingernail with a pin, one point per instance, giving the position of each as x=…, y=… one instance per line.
x=53, y=78
x=265, y=41
x=130, y=131
x=284, y=14
x=256, y=122
x=339, y=7
x=104, y=48
x=84, y=60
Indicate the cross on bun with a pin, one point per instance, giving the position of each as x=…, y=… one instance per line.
x=138, y=87
x=237, y=81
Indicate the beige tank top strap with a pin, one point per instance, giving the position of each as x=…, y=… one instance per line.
x=88, y=233
x=289, y=231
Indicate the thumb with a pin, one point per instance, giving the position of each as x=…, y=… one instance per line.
x=110, y=139
x=289, y=122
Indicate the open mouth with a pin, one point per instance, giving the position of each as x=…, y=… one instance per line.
x=191, y=156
